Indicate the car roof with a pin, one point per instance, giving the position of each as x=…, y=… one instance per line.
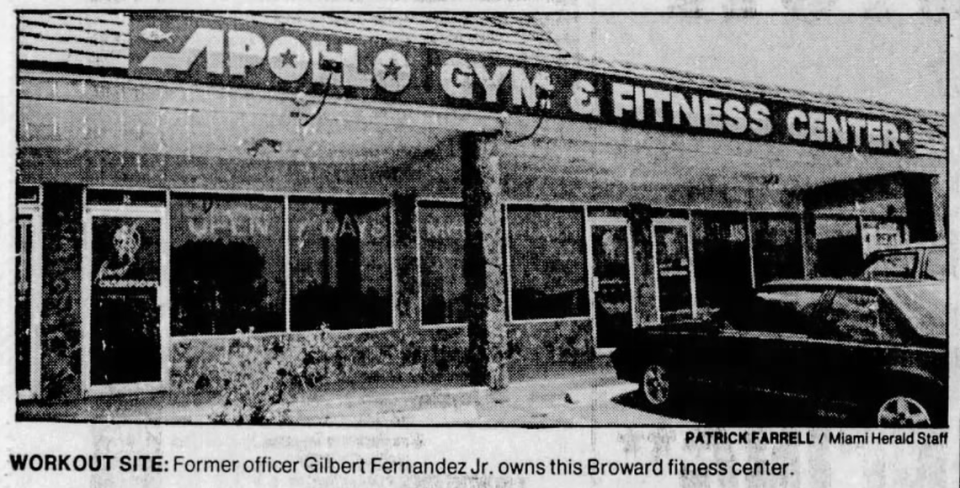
x=849, y=283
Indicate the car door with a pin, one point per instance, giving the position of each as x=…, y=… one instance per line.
x=765, y=350
x=847, y=352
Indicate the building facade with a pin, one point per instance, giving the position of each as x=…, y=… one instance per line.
x=360, y=187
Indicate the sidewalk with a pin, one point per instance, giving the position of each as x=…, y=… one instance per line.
x=574, y=396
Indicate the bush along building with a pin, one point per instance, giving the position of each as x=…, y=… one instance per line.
x=414, y=197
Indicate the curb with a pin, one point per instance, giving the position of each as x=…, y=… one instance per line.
x=369, y=407
x=601, y=393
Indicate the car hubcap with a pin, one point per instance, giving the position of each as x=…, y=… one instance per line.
x=902, y=411
x=656, y=386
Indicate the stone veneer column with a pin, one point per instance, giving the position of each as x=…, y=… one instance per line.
x=809, y=239
x=483, y=260
x=60, y=327
x=640, y=216
x=408, y=286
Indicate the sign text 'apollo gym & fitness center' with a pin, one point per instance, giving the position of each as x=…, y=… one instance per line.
x=258, y=55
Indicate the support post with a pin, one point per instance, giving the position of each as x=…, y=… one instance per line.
x=483, y=260
x=808, y=226
x=61, y=321
x=408, y=283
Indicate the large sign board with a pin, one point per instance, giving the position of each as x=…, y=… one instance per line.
x=211, y=50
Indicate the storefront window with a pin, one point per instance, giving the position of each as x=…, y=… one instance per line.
x=722, y=257
x=226, y=264
x=441, y=264
x=547, y=263
x=777, y=251
x=838, y=247
x=340, y=272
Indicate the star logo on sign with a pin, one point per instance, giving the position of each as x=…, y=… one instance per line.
x=288, y=58
x=392, y=70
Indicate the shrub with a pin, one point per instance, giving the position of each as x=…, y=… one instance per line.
x=310, y=358
x=256, y=383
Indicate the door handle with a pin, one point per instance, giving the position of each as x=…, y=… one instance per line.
x=596, y=284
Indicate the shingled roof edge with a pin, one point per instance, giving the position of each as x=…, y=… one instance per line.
x=930, y=120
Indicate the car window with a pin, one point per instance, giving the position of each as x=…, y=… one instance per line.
x=782, y=311
x=892, y=265
x=855, y=316
x=924, y=307
x=936, y=268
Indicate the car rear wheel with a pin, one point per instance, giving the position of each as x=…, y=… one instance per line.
x=656, y=386
x=904, y=411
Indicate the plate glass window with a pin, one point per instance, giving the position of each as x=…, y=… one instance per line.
x=227, y=264
x=777, y=251
x=839, y=252
x=722, y=255
x=340, y=274
x=547, y=263
x=441, y=264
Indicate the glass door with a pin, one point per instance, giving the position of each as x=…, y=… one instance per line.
x=125, y=300
x=673, y=257
x=27, y=305
x=611, y=275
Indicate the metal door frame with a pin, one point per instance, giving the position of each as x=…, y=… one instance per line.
x=163, y=298
x=673, y=222
x=591, y=222
x=32, y=211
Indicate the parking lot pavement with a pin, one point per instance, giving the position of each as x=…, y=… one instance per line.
x=590, y=396
x=579, y=399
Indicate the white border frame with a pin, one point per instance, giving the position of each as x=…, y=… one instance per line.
x=589, y=223
x=673, y=222
x=33, y=212
x=163, y=297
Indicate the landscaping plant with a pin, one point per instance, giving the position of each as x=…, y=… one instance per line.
x=256, y=383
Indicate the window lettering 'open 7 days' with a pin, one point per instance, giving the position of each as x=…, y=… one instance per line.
x=246, y=222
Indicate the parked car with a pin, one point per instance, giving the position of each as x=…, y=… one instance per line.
x=920, y=260
x=879, y=347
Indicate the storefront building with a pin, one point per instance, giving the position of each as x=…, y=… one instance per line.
x=360, y=187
